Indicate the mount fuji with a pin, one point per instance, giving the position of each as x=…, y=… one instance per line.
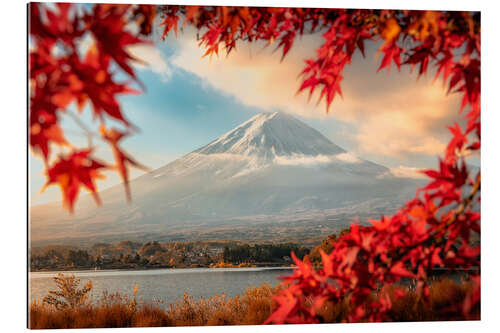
x=271, y=171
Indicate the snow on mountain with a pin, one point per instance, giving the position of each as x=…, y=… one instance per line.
x=277, y=138
x=272, y=164
x=268, y=135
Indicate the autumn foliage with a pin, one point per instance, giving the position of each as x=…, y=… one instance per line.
x=432, y=230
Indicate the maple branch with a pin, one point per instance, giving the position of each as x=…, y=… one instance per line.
x=463, y=205
x=79, y=122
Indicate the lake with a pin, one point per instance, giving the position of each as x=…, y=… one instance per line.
x=167, y=285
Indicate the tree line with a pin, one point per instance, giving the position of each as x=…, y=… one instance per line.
x=262, y=253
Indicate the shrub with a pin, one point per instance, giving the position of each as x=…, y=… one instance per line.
x=68, y=296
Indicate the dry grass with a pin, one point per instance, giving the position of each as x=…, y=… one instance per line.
x=250, y=308
x=253, y=307
x=445, y=296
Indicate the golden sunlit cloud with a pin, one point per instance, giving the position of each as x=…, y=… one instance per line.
x=253, y=74
x=394, y=114
x=407, y=172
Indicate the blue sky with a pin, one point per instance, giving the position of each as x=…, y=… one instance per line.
x=392, y=119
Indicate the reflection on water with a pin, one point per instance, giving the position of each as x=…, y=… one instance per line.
x=167, y=285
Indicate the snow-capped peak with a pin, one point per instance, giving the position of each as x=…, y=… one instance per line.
x=271, y=134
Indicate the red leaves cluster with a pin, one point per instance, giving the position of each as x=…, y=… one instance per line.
x=97, y=85
x=62, y=74
x=419, y=237
x=44, y=126
x=227, y=25
x=343, y=37
x=107, y=24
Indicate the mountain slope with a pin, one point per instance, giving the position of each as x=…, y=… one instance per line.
x=267, y=135
x=272, y=165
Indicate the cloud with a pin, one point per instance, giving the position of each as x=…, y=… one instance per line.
x=407, y=172
x=252, y=73
x=348, y=157
x=408, y=119
x=307, y=160
x=303, y=160
x=394, y=115
x=152, y=59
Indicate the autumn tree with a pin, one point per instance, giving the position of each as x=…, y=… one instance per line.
x=432, y=230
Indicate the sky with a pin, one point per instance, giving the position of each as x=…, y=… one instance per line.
x=394, y=119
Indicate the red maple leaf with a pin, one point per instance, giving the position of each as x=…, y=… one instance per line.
x=98, y=86
x=286, y=304
x=107, y=24
x=57, y=26
x=399, y=269
x=392, y=53
x=44, y=127
x=73, y=171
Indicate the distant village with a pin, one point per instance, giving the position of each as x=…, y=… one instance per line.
x=134, y=255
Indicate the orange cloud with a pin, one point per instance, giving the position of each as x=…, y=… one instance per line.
x=407, y=172
x=253, y=74
x=394, y=114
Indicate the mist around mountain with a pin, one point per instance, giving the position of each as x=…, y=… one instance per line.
x=269, y=176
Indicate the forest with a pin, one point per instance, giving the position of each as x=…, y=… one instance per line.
x=154, y=254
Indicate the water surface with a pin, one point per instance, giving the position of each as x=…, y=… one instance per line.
x=167, y=285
